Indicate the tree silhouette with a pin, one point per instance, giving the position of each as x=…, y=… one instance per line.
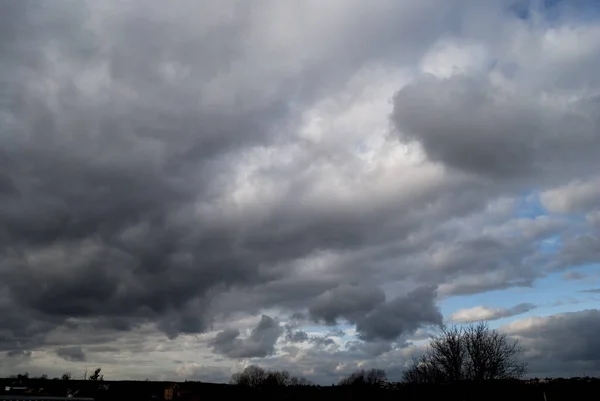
x=372, y=377
x=255, y=376
x=251, y=376
x=473, y=352
x=96, y=376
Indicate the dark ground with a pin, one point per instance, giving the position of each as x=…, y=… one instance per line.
x=559, y=389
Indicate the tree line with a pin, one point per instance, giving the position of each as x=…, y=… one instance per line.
x=255, y=376
x=96, y=376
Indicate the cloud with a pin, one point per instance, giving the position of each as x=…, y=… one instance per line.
x=565, y=344
x=259, y=343
x=15, y=353
x=576, y=196
x=462, y=122
x=400, y=315
x=169, y=169
x=347, y=301
x=74, y=354
x=296, y=336
x=479, y=313
x=593, y=290
x=574, y=276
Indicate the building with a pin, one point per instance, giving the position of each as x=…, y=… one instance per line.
x=171, y=391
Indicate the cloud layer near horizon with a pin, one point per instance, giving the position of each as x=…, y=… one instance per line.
x=211, y=183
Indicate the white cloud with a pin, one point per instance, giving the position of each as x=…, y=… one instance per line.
x=481, y=313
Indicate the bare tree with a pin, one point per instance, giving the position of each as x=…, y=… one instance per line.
x=66, y=376
x=376, y=376
x=492, y=355
x=299, y=381
x=252, y=376
x=277, y=378
x=96, y=376
x=474, y=352
x=423, y=370
x=255, y=376
x=447, y=353
x=23, y=376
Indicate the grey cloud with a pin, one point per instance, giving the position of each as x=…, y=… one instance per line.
x=479, y=313
x=574, y=276
x=376, y=319
x=574, y=197
x=259, y=343
x=15, y=353
x=73, y=354
x=346, y=301
x=469, y=123
x=370, y=348
x=486, y=253
x=297, y=336
x=593, y=290
x=321, y=341
x=478, y=283
x=123, y=125
x=336, y=333
x=565, y=344
x=434, y=112
x=293, y=335
x=401, y=315
x=579, y=249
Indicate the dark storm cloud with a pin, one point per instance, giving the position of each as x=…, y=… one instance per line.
x=376, y=319
x=401, y=315
x=565, y=344
x=72, y=354
x=100, y=187
x=347, y=301
x=260, y=342
x=469, y=123
x=434, y=112
x=94, y=196
x=120, y=124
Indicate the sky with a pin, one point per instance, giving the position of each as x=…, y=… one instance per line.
x=191, y=187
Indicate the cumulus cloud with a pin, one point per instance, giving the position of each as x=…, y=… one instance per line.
x=167, y=169
x=479, y=313
x=574, y=197
x=75, y=354
x=347, y=301
x=401, y=315
x=260, y=342
x=565, y=344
